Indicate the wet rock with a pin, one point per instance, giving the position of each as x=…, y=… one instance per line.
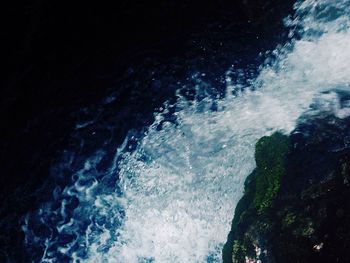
x=296, y=205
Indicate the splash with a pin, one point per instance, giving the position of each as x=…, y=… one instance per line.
x=175, y=191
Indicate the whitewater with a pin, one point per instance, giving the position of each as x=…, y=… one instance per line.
x=176, y=189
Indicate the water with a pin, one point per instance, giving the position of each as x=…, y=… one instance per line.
x=170, y=193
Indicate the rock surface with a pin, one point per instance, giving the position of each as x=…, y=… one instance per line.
x=296, y=205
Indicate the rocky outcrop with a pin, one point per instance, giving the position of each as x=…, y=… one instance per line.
x=296, y=205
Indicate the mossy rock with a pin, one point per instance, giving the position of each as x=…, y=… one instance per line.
x=296, y=203
x=270, y=156
x=261, y=187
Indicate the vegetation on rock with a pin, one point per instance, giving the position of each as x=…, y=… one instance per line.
x=270, y=157
x=261, y=188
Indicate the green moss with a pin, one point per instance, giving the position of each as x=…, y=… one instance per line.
x=305, y=227
x=261, y=187
x=239, y=251
x=289, y=219
x=270, y=157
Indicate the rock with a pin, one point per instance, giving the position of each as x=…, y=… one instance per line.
x=296, y=204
